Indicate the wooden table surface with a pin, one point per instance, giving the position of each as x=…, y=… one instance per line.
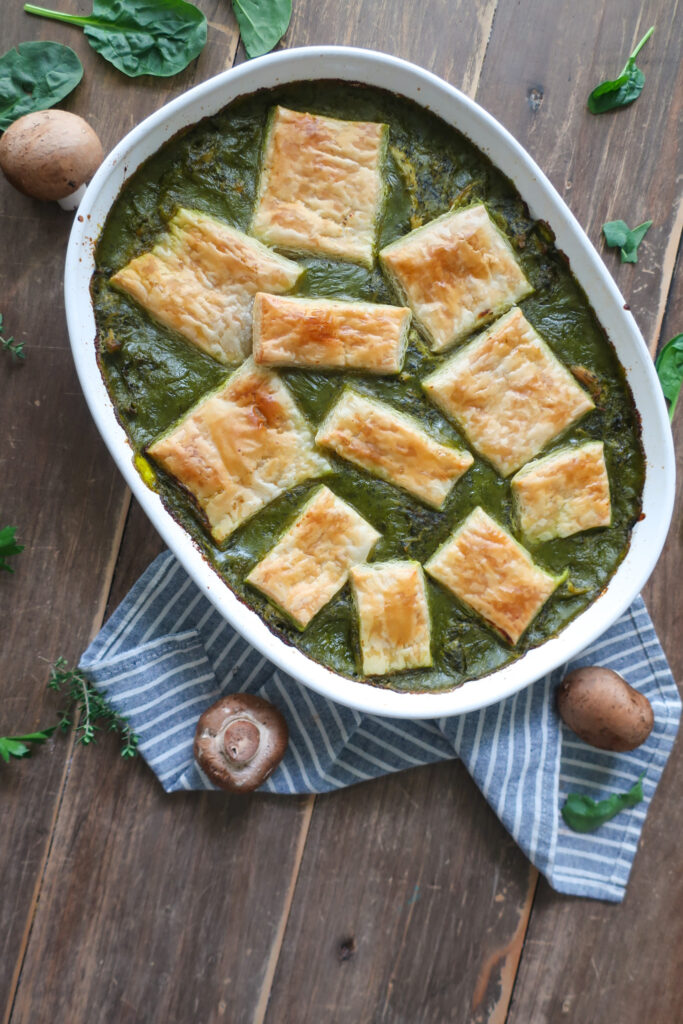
x=401, y=900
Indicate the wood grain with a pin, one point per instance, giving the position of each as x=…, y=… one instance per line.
x=449, y=37
x=410, y=899
x=401, y=901
x=155, y=907
x=583, y=960
x=599, y=962
x=539, y=70
x=59, y=487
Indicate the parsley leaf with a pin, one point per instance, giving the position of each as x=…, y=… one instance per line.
x=669, y=366
x=618, y=235
x=8, y=547
x=15, y=348
x=15, y=746
x=621, y=91
x=583, y=814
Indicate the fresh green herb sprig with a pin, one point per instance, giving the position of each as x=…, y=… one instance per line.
x=17, y=746
x=140, y=37
x=8, y=547
x=262, y=23
x=35, y=76
x=669, y=366
x=619, y=235
x=583, y=814
x=94, y=714
x=619, y=92
x=15, y=348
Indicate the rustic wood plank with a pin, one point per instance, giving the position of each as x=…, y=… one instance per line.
x=625, y=166
x=410, y=905
x=488, y=945
x=173, y=913
x=541, y=66
x=589, y=961
x=59, y=486
x=449, y=38
x=536, y=82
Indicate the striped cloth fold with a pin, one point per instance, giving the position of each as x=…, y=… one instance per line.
x=166, y=654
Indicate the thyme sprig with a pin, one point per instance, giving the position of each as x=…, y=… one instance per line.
x=88, y=708
x=15, y=348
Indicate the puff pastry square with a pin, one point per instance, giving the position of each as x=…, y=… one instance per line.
x=311, y=561
x=321, y=188
x=566, y=492
x=239, y=448
x=485, y=567
x=456, y=273
x=392, y=446
x=508, y=393
x=329, y=334
x=393, y=616
x=200, y=280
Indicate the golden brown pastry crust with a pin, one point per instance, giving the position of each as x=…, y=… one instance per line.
x=240, y=448
x=200, y=280
x=563, y=493
x=456, y=273
x=485, y=567
x=329, y=334
x=393, y=616
x=508, y=393
x=311, y=561
x=393, y=446
x=321, y=187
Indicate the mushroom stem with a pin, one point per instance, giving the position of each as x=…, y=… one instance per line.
x=241, y=740
x=73, y=201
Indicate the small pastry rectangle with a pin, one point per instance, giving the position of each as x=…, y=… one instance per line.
x=393, y=446
x=311, y=560
x=200, y=280
x=239, y=448
x=487, y=569
x=563, y=493
x=321, y=189
x=393, y=616
x=456, y=273
x=508, y=393
x=328, y=334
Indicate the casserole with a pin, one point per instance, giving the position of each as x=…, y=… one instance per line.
x=544, y=204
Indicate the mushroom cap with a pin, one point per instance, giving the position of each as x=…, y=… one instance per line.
x=49, y=154
x=239, y=741
x=603, y=709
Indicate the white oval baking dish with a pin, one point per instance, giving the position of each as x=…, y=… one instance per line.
x=544, y=203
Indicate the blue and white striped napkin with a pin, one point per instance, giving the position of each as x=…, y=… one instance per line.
x=166, y=654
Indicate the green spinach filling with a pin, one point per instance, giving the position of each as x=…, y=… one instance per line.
x=154, y=376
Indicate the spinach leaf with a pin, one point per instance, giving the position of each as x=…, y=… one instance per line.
x=140, y=37
x=583, y=814
x=35, y=76
x=621, y=91
x=8, y=546
x=262, y=23
x=669, y=366
x=618, y=235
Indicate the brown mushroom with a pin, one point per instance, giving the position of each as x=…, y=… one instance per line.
x=50, y=154
x=603, y=710
x=239, y=741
